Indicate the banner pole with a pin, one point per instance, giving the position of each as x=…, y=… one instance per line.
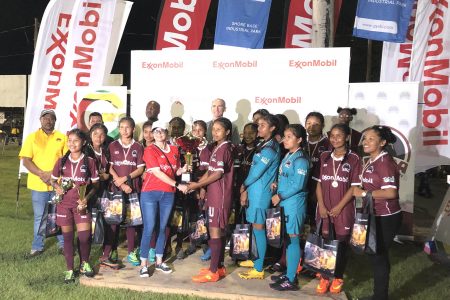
x=17, y=194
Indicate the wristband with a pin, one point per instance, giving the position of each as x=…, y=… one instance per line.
x=176, y=184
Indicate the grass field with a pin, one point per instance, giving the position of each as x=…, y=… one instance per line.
x=413, y=276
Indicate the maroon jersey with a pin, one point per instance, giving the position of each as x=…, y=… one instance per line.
x=101, y=161
x=315, y=149
x=168, y=162
x=126, y=159
x=201, y=160
x=382, y=173
x=336, y=176
x=77, y=172
x=220, y=192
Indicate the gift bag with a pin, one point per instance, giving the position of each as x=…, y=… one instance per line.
x=98, y=227
x=275, y=226
x=177, y=218
x=364, y=232
x=134, y=214
x=111, y=203
x=48, y=226
x=322, y=255
x=199, y=230
x=243, y=243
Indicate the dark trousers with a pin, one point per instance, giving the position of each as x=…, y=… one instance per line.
x=387, y=228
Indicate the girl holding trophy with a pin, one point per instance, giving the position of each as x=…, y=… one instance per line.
x=70, y=177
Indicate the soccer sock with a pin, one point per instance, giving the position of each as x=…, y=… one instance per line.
x=68, y=249
x=293, y=257
x=215, y=245
x=84, y=238
x=261, y=245
x=130, y=238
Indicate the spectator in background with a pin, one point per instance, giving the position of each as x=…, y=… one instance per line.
x=218, y=107
x=39, y=154
x=152, y=111
x=96, y=118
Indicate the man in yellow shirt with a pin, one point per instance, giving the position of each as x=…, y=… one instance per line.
x=39, y=154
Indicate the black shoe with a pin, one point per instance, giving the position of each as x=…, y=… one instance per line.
x=276, y=267
x=276, y=278
x=181, y=254
x=144, y=272
x=285, y=285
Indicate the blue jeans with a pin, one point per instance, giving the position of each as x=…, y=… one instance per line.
x=150, y=203
x=40, y=202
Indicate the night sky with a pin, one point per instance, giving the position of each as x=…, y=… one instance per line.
x=17, y=27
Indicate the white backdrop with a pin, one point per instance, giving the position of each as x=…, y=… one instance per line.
x=185, y=82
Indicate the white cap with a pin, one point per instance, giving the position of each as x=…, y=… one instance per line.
x=160, y=125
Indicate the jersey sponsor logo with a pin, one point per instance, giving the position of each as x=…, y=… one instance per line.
x=61, y=216
x=302, y=172
x=314, y=159
x=125, y=163
x=265, y=160
x=346, y=167
x=389, y=179
x=75, y=178
x=367, y=180
x=338, y=178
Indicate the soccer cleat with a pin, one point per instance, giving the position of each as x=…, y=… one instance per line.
x=114, y=256
x=133, y=259
x=163, y=268
x=252, y=274
x=284, y=285
x=69, y=277
x=246, y=264
x=206, y=277
x=152, y=255
x=336, y=286
x=222, y=271
x=137, y=251
x=86, y=269
x=144, y=272
x=277, y=267
x=323, y=286
x=207, y=255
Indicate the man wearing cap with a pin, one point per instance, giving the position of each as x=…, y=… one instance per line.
x=218, y=107
x=39, y=154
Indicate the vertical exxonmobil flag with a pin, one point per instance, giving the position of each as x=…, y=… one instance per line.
x=48, y=63
x=86, y=53
x=299, y=24
x=396, y=57
x=242, y=23
x=382, y=20
x=430, y=64
x=181, y=25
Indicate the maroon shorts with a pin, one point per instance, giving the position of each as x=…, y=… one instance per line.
x=218, y=217
x=65, y=216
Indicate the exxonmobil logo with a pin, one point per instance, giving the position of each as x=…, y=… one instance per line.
x=300, y=64
x=235, y=64
x=162, y=65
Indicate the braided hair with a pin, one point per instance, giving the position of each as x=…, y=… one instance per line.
x=385, y=134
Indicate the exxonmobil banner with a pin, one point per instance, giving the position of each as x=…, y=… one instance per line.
x=242, y=23
x=396, y=58
x=181, y=24
x=48, y=64
x=86, y=53
x=430, y=64
x=382, y=20
x=299, y=24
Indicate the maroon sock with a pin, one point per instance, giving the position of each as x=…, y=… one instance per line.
x=130, y=238
x=222, y=252
x=68, y=249
x=153, y=240
x=85, y=239
x=215, y=245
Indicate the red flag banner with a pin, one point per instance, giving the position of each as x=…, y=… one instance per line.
x=299, y=24
x=181, y=25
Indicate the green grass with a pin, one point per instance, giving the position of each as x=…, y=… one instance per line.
x=413, y=274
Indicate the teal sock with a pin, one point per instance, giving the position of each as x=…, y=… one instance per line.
x=293, y=257
x=261, y=245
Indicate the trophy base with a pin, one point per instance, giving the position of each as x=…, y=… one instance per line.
x=186, y=177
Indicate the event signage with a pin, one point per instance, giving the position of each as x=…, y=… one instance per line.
x=289, y=81
x=181, y=24
x=382, y=20
x=396, y=58
x=242, y=23
x=430, y=64
x=48, y=64
x=299, y=24
x=86, y=53
x=392, y=104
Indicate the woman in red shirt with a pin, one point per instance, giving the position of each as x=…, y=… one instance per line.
x=162, y=165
